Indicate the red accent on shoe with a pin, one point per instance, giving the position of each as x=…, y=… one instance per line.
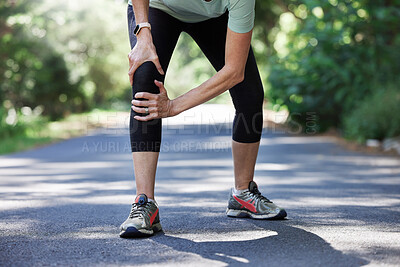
x=137, y=198
x=246, y=204
x=153, y=216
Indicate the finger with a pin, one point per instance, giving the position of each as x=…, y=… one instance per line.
x=146, y=95
x=139, y=110
x=156, y=62
x=142, y=103
x=146, y=118
x=160, y=86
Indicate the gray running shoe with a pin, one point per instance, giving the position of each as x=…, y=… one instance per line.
x=143, y=221
x=251, y=203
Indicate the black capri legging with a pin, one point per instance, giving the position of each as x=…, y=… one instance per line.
x=210, y=35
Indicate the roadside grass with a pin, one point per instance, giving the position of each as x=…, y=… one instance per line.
x=45, y=132
x=21, y=142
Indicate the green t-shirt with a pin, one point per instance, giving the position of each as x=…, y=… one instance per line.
x=241, y=12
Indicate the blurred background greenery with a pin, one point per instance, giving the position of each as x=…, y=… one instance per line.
x=336, y=59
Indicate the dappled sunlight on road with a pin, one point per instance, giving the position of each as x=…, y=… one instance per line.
x=227, y=236
x=293, y=140
x=16, y=162
x=336, y=202
x=274, y=167
x=366, y=160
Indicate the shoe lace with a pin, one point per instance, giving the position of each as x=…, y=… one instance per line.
x=257, y=194
x=138, y=210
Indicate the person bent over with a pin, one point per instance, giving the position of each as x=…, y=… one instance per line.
x=222, y=30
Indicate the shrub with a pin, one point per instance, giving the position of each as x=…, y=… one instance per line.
x=377, y=117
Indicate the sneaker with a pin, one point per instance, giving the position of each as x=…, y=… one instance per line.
x=251, y=203
x=144, y=219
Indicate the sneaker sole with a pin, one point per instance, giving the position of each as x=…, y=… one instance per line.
x=132, y=232
x=246, y=214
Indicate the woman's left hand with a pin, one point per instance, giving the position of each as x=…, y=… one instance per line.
x=158, y=105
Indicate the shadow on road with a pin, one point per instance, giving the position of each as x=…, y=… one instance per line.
x=284, y=245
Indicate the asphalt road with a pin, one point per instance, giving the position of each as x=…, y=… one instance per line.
x=62, y=204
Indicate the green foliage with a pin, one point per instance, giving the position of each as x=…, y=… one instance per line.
x=60, y=55
x=8, y=128
x=92, y=37
x=34, y=74
x=377, y=117
x=16, y=123
x=331, y=60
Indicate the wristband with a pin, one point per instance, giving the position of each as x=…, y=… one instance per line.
x=141, y=26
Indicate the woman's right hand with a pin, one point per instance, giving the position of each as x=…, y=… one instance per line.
x=143, y=51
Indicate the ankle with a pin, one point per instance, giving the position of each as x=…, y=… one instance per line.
x=239, y=191
x=241, y=186
x=242, y=182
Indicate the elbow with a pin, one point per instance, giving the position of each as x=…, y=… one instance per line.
x=236, y=77
x=240, y=77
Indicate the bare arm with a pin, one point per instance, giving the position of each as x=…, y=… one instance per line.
x=144, y=49
x=237, y=50
x=141, y=9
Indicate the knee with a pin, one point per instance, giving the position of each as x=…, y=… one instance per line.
x=251, y=103
x=143, y=79
x=248, y=121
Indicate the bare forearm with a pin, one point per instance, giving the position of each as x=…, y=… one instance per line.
x=223, y=80
x=141, y=10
